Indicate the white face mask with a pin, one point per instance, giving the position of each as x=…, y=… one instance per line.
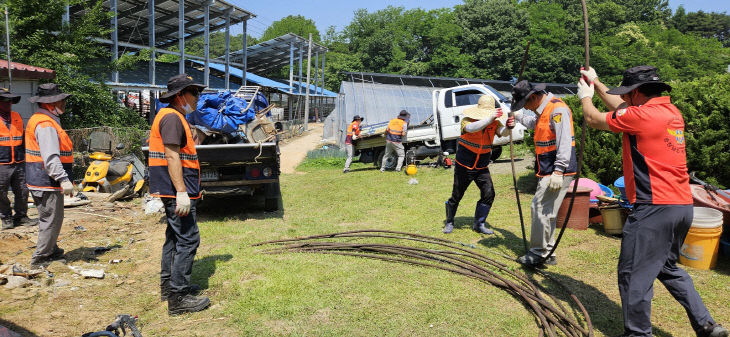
x=186, y=107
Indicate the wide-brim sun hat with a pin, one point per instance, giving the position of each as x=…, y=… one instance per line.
x=522, y=91
x=6, y=96
x=177, y=84
x=48, y=93
x=637, y=76
x=485, y=108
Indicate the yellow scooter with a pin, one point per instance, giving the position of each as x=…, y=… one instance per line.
x=123, y=177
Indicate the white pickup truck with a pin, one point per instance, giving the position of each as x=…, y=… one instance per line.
x=436, y=135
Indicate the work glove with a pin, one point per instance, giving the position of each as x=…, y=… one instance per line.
x=182, y=204
x=499, y=113
x=556, y=181
x=355, y=137
x=590, y=74
x=585, y=89
x=511, y=122
x=68, y=187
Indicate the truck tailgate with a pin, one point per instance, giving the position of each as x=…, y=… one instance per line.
x=234, y=153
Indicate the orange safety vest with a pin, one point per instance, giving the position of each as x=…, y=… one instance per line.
x=394, y=132
x=35, y=171
x=545, y=142
x=160, y=181
x=474, y=148
x=353, y=128
x=12, y=147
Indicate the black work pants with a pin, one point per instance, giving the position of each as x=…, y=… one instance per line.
x=652, y=238
x=12, y=176
x=463, y=178
x=182, y=239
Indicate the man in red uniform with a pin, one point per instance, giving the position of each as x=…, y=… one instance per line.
x=655, y=173
x=353, y=132
x=175, y=177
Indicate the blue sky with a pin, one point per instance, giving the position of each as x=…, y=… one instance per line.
x=338, y=13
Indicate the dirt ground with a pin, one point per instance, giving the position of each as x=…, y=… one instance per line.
x=116, y=237
x=294, y=152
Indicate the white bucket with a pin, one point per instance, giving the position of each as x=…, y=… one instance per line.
x=705, y=217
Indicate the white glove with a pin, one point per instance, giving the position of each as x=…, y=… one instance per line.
x=556, y=181
x=68, y=187
x=355, y=137
x=590, y=74
x=182, y=201
x=585, y=89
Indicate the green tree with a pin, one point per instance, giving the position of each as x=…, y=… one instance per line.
x=81, y=64
x=493, y=33
x=296, y=24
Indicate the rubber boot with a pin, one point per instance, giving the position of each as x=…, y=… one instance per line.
x=480, y=217
x=180, y=303
x=450, y=213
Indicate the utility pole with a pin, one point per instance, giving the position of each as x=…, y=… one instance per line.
x=306, y=100
x=7, y=46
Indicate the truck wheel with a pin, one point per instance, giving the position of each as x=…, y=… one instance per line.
x=496, y=152
x=389, y=165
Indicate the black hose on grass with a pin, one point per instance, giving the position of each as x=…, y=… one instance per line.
x=550, y=314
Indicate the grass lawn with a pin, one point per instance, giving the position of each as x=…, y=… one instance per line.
x=327, y=295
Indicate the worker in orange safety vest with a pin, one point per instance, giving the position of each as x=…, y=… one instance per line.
x=473, y=154
x=395, y=133
x=353, y=133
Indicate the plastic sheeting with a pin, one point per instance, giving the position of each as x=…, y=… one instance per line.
x=376, y=103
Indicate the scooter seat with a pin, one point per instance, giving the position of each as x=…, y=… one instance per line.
x=118, y=168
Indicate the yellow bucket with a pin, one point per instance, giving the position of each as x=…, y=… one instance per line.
x=703, y=239
x=613, y=220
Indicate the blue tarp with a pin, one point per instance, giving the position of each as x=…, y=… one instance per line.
x=222, y=112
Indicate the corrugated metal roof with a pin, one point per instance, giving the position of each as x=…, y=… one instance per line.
x=24, y=71
x=132, y=19
x=274, y=53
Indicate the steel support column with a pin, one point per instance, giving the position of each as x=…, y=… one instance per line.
x=323, y=68
x=151, y=29
x=66, y=19
x=206, y=43
x=316, y=72
x=115, y=39
x=181, y=34
x=244, y=52
x=291, y=68
x=301, y=59
x=228, y=49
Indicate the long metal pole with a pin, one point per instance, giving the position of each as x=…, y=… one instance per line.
x=309, y=69
x=322, y=91
x=206, y=43
x=244, y=52
x=181, y=34
x=152, y=43
x=301, y=59
x=7, y=46
x=291, y=80
x=316, y=72
x=115, y=40
x=228, y=50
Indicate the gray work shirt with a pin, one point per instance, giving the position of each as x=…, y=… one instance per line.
x=563, y=130
x=48, y=141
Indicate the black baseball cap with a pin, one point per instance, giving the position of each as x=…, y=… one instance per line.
x=177, y=84
x=522, y=91
x=404, y=114
x=357, y=117
x=637, y=76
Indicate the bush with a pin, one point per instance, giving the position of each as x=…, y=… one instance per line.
x=705, y=105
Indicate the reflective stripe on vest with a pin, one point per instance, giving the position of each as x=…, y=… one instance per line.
x=546, y=144
x=12, y=147
x=394, y=132
x=352, y=129
x=35, y=172
x=474, y=150
x=160, y=181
